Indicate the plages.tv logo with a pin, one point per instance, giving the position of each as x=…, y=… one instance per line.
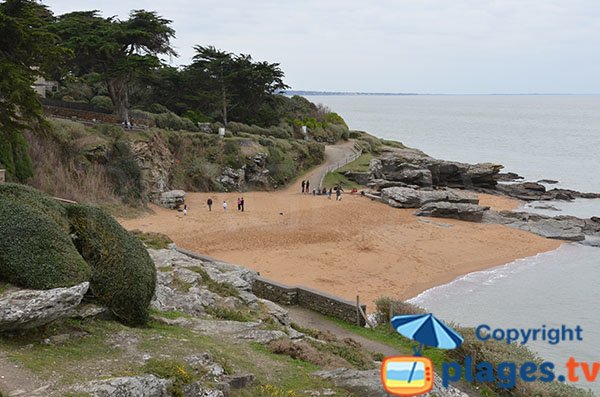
x=413, y=375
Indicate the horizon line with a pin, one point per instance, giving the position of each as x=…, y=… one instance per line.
x=333, y=93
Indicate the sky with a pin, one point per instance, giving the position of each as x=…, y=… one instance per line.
x=417, y=46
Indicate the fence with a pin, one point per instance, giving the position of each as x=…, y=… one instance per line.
x=339, y=165
x=73, y=105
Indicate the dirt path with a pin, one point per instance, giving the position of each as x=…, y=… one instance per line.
x=17, y=381
x=334, y=155
x=309, y=319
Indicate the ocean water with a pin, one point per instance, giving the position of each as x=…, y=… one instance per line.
x=538, y=137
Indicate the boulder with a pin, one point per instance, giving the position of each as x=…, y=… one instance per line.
x=197, y=389
x=561, y=228
x=402, y=197
x=532, y=191
x=134, y=386
x=277, y=312
x=26, y=309
x=173, y=199
x=444, y=209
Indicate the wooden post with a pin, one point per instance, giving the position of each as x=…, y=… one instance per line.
x=357, y=311
x=391, y=315
x=2, y=176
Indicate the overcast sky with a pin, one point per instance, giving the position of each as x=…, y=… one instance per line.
x=424, y=46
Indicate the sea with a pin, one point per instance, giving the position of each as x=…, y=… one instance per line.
x=539, y=137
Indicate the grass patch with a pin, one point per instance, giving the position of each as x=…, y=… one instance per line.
x=225, y=313
x=361, y=164
x=180, y=285
x=169, y=314
x=179, y=373
x=222, y=289
x=153, y=240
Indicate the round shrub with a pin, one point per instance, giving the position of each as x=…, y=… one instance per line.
x=35, y=252
x=39, y=202
x=124, y=276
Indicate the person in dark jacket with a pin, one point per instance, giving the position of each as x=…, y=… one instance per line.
x=209, y=203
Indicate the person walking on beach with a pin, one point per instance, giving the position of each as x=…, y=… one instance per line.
x=303, y=184
x=307, y=186
x=185, y=210
x=239, y=203
x=242, y=204
x=330, y=193
x=338, y=193
x=225, y=205
x=209, y=203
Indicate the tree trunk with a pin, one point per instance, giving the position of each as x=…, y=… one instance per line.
x=117, y=90
x=224, y=97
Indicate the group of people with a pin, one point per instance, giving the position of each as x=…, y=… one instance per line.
x=305, y=186
x=337, y=189
x=240, y=204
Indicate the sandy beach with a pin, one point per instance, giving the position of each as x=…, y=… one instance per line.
x=350, y=247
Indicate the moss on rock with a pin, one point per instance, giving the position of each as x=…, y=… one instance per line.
x=124, y=276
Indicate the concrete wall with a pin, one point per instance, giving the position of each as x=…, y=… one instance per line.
x=307, y=298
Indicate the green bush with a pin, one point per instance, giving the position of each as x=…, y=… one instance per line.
x=103, y=102
x=35, y=252
x=170, y=121
x=39, y=202
x=124, y=276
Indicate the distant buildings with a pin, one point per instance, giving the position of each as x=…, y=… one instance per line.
x=41, y=86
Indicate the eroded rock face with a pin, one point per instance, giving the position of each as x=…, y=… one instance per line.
x=26, y=309
x=413, y=167
x=403, y=197
x=233, y=180
x=181, y=286
x=134, y=386
x=443, y=209
x=155, y=160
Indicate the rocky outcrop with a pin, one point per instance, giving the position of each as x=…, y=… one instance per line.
x=362, y=178
x=368, y=383
x=533, y=191
x=444, y=209
x=172, y=199
x=155, y=161
x=416, y=168
x=567, y=228
x=257, y=174
x=134, y=386
x=25, y=309
x=403, y=197
x=188, y=284
x=233, y=180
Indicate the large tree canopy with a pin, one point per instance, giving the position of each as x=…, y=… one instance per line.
x=233, y=84
x=119, y=51
x=27, y=49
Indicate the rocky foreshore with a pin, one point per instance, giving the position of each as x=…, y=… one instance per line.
x=408, y=178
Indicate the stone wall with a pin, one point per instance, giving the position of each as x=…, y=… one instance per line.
x=317, y=301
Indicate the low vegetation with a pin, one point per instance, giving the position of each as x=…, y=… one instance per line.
x=153, y=240
x=124, y=276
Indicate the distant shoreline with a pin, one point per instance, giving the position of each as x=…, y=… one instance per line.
x=344, y=93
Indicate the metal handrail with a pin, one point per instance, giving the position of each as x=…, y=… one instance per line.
x=339, y=165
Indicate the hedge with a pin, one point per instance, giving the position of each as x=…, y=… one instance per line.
x=35, y=252
x=124, y=276
x=37, y=201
